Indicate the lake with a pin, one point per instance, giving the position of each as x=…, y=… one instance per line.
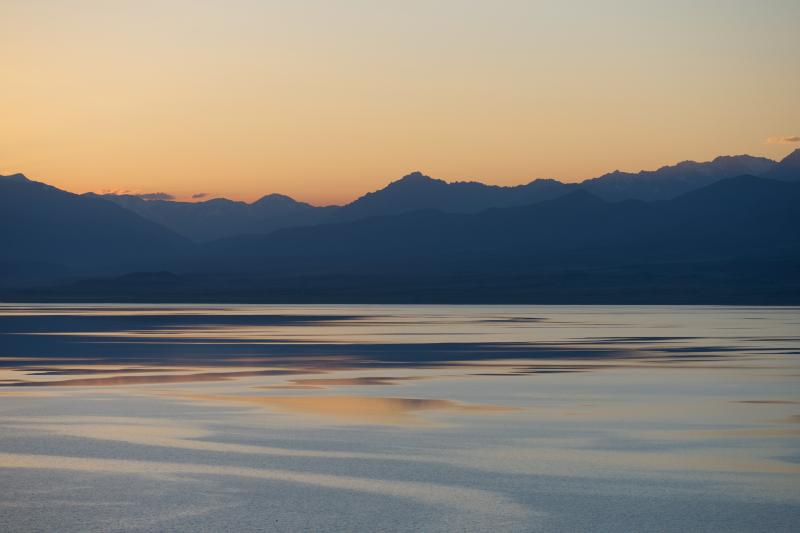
x=399, y=418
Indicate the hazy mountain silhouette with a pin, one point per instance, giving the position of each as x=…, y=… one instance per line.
x=788, y=169
x=53, y=232
x=735, y=241
x=743, y=217
x=418, y=191
x=218, y=218
x=670, y=181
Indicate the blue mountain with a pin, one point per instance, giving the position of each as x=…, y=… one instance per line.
x=219, y=218
x=49, y=232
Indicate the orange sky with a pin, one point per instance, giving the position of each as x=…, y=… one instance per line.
x=327, y=100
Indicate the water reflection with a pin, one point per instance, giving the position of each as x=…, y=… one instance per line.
x=325, y=383
x=358, y=409
x=425, y=418
x=147, y=379
x=428, y=493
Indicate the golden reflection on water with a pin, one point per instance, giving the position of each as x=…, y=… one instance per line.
x=323, y=383
x=357, y=409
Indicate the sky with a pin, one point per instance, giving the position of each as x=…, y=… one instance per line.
x=325, y=100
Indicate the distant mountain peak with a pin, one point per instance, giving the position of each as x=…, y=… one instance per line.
x=221, y=201
x=416, y=175
x=743, y=159
x=275, y=198
x=278, y=201
x=415, y=178
x=720, y=158
x=793, y=157
x=18, y=177
x=788, y=168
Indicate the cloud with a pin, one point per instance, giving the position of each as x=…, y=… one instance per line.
x=200, y=195
x=116, y=191
x=783, y=140
x=138, y=194
x=155, y=196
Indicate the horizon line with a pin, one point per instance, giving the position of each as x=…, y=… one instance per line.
x=201, y=197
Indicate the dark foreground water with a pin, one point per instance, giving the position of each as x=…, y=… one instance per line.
x=399, y=418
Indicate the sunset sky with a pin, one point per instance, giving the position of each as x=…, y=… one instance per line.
x=326, y=100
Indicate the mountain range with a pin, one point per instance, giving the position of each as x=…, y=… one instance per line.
x=725, y=231
x=220, y=217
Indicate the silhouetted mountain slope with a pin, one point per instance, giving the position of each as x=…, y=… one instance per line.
x=788, y=169
x=670, y=181
x=735, y=241
x=44, y=225
x=739, y=218
x=220, y=217
x=417, y=191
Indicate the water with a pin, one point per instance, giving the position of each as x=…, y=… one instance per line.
x=399, y=418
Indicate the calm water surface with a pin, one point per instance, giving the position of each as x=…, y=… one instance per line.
x=399, y=418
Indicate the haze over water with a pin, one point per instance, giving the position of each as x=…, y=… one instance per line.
x=401, y=418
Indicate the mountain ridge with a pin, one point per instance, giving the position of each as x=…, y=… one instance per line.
x=734, y=241
x=220, y=218
x=58, y=231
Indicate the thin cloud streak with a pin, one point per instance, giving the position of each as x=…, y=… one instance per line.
x=783, y=140
x=143, y=195
x=155, y=196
